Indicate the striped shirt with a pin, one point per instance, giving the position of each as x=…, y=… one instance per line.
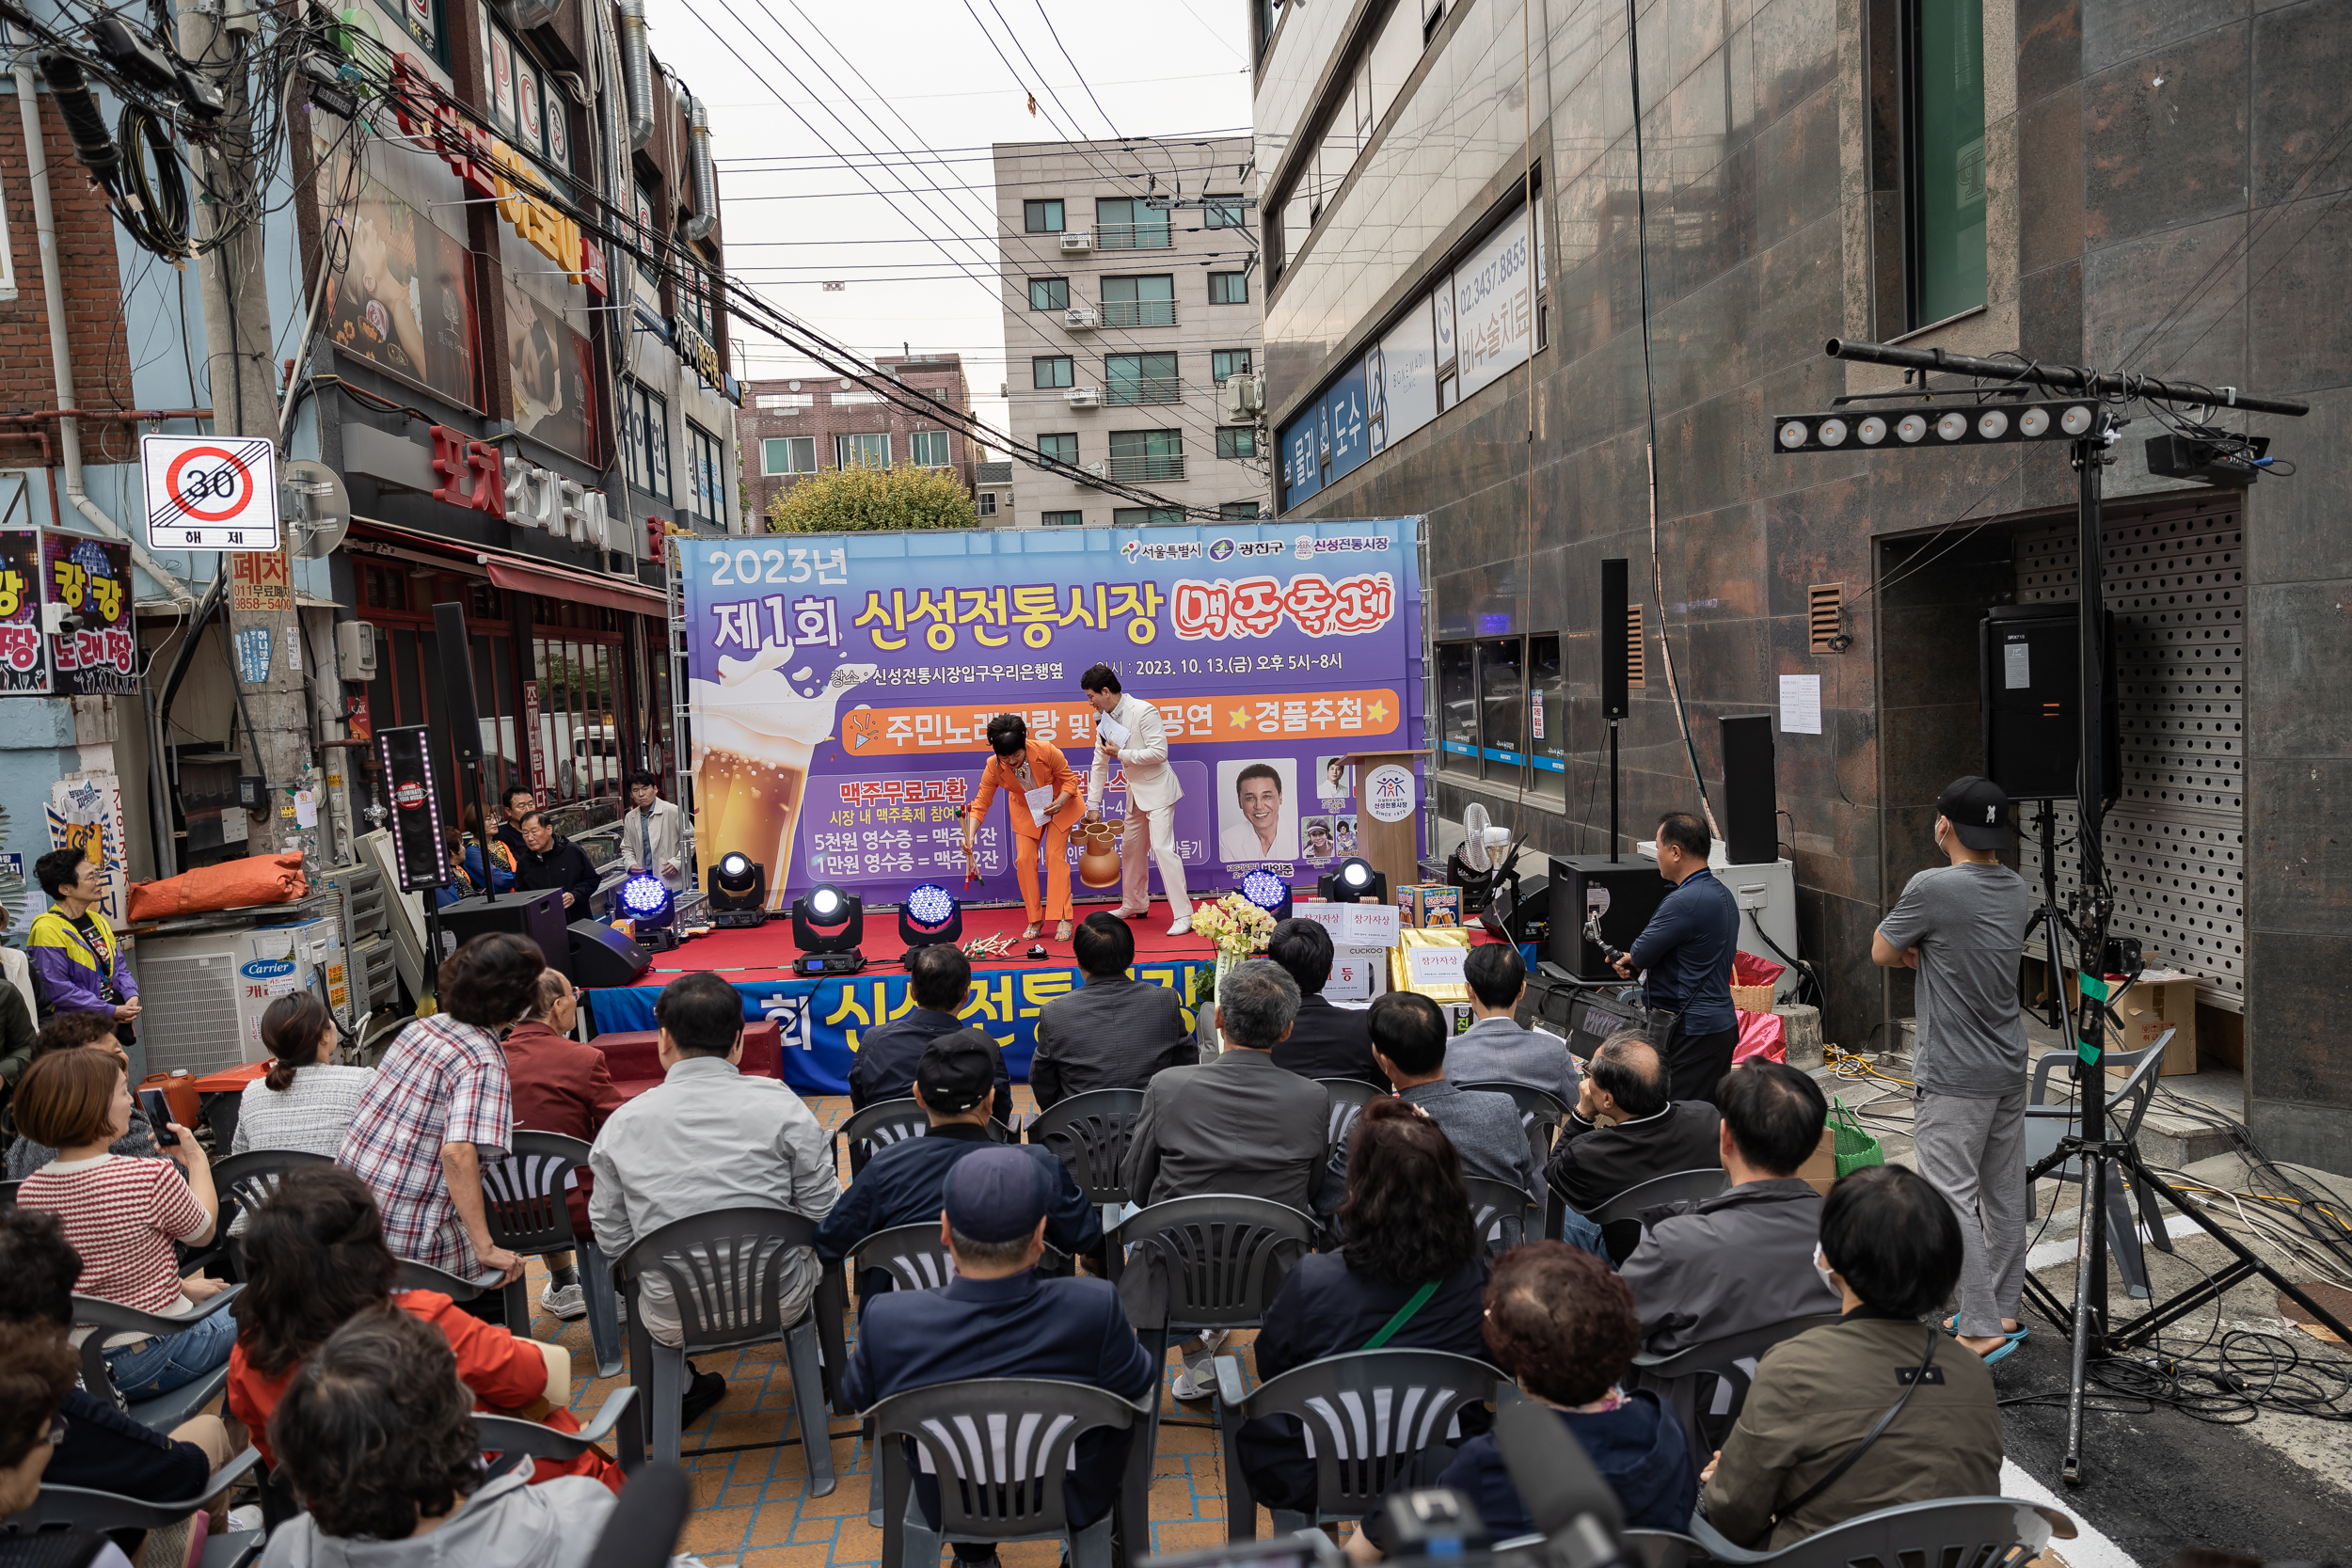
x=441, y=1082
x=121, y=1215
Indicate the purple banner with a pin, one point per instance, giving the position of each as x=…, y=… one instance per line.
x=841, y=685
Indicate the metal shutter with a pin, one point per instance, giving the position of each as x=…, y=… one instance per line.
x=2175, y=839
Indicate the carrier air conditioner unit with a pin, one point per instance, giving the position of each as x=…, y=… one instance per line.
x=1242, y=395
x=1083, y=397
x=1077, y=242
x=1080, y=317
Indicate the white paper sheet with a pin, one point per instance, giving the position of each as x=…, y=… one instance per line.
x=1800, y=704
x=1111, y=730
x=1038, y=799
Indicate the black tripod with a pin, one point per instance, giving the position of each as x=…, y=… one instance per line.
x=2049, y=918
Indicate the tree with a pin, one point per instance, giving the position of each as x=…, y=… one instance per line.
x=860, y=499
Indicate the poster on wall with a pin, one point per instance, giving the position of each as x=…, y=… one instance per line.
x=550, y=359
x=405, y=303
x=93, y=649
x=841, y=686
x=24, y=651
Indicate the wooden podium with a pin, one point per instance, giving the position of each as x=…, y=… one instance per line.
x=1393, y=847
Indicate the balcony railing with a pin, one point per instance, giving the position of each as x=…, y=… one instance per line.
x=1148, y=470
x=1131, y=236
x=1139, y=312
x=1144, y=389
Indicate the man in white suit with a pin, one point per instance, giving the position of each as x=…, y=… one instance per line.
x=1140, y=748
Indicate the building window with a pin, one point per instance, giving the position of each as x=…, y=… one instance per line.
x=1457, y=706
x=1049, y=293
x=1050, y=370
x=1042, y=217
x=988, y=503
x=789, y=454
x=1944, y=167
x=854, y=400
x=1483, y=692
x=1228, y=287
x=1548, y=717
x=1146, y=516
x=1238, y=511
x=785, y=403
x=1062, y=519
x=1224, y=218
x=1059, y=448
x=1123, y=223
x=647, y=439
x=709, y=474
x=862, y=452
x=1147, y=457
x=1129, y=379
x=931, y=448
x=1147, y=301
x=1236, y=440
x=1226, y=363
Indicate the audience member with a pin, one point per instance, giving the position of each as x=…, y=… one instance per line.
x=80, y=1032
x=997, y=1319
x=303, y=1102
x=1409, y=1276
x=1495, y=1050
x=1238, y=1124
x=552, y=863
x=122, y=1216
x=75, y=957
x=378, y=1438
x=753, y=1145
x=315, y=1259
x=1891, y=1245
x=903, y=1182
x=35, y=1377
x=1624, y=1129
x=1561, y=1324
x=1324, y=1041
x=939, y=982
x=17, y=1030
x=440, y=1100
x=1408, y=1039
x=1114, y=1032
x=1744, y=1258
x=102, y=1448
x=563, y=1086
x=513, y=805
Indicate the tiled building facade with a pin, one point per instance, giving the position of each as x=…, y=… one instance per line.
x=793, y=428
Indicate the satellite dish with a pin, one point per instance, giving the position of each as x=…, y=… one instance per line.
x=314, y=507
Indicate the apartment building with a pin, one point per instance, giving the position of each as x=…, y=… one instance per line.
x=797, y=427
x=1131, y=295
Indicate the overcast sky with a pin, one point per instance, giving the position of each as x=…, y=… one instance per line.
x=920, y=77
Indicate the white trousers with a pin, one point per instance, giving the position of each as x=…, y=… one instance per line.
x=1153, y=831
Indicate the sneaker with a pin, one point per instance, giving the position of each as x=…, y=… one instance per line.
x=1198, y=1380
x=702, y=1397
x=1187, y=1386
x=566, y=1303
x=1179, y=925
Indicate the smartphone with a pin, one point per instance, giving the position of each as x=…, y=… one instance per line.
x=158, y=1110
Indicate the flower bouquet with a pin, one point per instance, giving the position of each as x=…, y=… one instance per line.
x=1238, y=926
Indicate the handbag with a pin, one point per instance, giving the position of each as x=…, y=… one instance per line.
x=1856, y=1145
x=1885, y=1420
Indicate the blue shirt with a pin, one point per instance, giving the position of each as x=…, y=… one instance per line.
x=1638, y=1448
x=889, y=1053
x=1687, y=947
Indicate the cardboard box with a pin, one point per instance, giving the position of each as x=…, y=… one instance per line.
x=1423, y=905
x=1820, y=1171
x=2164, y=999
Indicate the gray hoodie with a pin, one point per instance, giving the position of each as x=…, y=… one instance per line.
x=508, y=1524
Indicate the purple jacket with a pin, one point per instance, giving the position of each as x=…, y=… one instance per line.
x=66, y=972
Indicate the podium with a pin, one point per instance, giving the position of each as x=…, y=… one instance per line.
x=1393, y=849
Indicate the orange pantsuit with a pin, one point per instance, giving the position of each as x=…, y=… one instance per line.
x=1047, y=770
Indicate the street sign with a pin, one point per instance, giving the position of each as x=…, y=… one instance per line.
x=210, y=491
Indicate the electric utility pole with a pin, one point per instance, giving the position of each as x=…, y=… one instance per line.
x=266, y=651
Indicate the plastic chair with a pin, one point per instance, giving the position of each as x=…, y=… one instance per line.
x=424, y=1276
x=61, y=1508
x=726, y=1274
x=1349, y=1095
x=1011, y=1488
x=525, y=1201
x=8, y=1189
x=1731, y=1360
x=1090, y=1133
x=890, y=1121
x=916, y=1259
x=1982, y=1532
x=1502, y=1215
x=1643, y=1549
x=245, y=1183
x=2047, y=1121
x=1623, y=1210
x=514, y=1439
x=164, y=1410
x=1542, y=1115
x=1376, y=1419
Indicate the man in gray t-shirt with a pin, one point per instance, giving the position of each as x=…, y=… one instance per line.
x=1963, y=927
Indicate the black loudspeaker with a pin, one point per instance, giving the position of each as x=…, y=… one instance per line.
x=417, y=808
x=1615, y=695
x=536, y=915
x=1626, y=891
x=602, y=957
x=1521, y=917
x=1596, y=1015
x=1751, y=799
x=459, y=709
x=2029, y=666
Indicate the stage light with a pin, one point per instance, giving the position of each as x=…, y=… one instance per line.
x=739, y=891
x=828, y=920
x=1352, y=882
x=1912, y=427
x=1952, y=426
x=930, y=916
x=646, y=902
x=2033, y=422
x=1832, y=433
x=1958, y=426
x=1991, y=424
x=2075, y=420
x=1872, y=430
x=1270, y=890
x=1793, y=435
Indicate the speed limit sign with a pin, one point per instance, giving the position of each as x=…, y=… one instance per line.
x=210, y=491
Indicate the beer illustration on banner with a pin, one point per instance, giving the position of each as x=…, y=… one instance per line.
x=756, y=729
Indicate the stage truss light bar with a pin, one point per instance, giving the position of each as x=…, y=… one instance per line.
x=1973, y=425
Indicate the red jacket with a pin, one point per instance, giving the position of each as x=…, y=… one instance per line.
x=560, y=1086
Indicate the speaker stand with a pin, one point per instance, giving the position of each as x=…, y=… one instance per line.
x=2050, y=919
x=1612, y=791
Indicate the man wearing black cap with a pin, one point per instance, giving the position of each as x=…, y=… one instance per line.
x=997, y=1319
x=901, y=1184
x=1961, y=926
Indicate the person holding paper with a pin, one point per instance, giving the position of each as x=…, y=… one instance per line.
x=1042, y=784
x=1128, y=730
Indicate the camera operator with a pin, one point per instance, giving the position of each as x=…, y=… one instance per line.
x=1687, y=948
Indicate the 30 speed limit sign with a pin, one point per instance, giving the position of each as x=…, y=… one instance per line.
x=210, y=491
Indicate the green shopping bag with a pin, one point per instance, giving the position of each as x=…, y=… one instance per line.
x=1855, y=1146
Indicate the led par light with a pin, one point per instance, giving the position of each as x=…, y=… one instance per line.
x=739, y=891
x=930, y=916
x=1352, y=882
x=1270, y=890
x=1974, y=425
x=652, y=913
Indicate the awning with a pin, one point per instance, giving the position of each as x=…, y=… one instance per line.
x=523, y=573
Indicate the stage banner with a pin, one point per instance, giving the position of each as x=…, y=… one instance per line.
x=824, y=1020
x=841, y=685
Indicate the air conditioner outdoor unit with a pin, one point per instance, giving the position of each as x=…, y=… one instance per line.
x=1080, y=316
x=1242, y=395
x=1077, y=242
x=1083, y=397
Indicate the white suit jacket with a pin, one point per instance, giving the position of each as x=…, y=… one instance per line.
x=1151, y=782
x=663, y=825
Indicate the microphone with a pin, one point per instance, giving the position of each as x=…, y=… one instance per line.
x=644, y=1529
x=1571, y=1505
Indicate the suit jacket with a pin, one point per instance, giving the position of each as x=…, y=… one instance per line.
x=1111, y=1033
x=1742, y=1260
x=1592, y=1165
x=1151, y=782
x=887, y=1057
x=1484, y=1128
x=1048, y=769
x=560, y=1086
x=1497, y=1050
x=662, y=826
x=1238, y=1124
x=1329, y=1042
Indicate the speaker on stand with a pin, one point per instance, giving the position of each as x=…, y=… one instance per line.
x=1751, y=797
x=464, y=714
x=1616, y=671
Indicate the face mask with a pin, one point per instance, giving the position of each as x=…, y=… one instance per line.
x=1820, y=1266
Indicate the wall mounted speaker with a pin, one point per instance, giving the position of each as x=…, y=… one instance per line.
x=1751, y=798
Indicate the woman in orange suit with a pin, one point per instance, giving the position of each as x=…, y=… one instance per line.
x=1021, y=765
